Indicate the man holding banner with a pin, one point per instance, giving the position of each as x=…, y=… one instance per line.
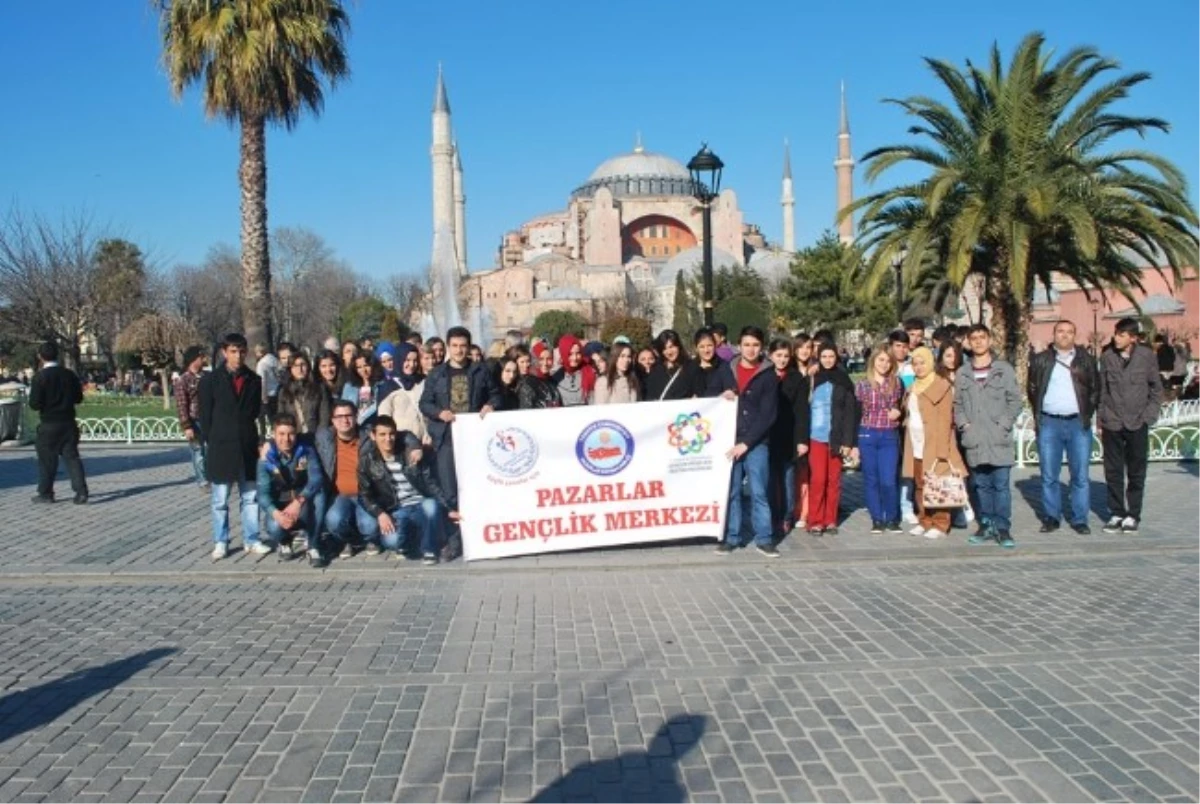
x=752, y=382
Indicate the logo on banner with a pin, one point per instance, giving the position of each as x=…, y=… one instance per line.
x=604, y=447
x=512, y=452
x=689, y=433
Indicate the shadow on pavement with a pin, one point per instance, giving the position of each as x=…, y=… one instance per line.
x=133, y=491
x=97, y=461
x=1030, y=489
x=29, y=709
x=650, y=775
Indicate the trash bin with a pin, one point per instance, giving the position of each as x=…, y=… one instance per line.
x=10, y=419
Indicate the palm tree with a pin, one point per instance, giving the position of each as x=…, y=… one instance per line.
x=1019, y=188
x=257, y=62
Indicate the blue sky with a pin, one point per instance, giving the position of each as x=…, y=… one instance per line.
x=542, y=91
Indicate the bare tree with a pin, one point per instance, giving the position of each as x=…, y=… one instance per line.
x=47, y=280
x=159, y=340
x=311, y=286
x=209, y=296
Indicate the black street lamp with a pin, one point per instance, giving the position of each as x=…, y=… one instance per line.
x=898, y=267
x=1095, y=304
x=705, y=168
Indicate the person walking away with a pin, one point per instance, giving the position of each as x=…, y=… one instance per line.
x=1064, y=393
x=879, y=395
x=291, y=490
x=751, y=381
x=833, y=437
x=187, y=408
x=1130, y=395
x=456, y=386
x=987, y=403
x=54, y=393
x=345, y=519
x=230, y=405
x=620, y=383
x=929, y=440
x=400, y=492
x=788, y=445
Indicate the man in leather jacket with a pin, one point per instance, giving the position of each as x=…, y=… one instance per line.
x=400, y=492
x=1064, y=392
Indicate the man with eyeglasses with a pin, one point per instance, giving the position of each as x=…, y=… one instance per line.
x=346, y=520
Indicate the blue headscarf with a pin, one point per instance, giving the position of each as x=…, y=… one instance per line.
x=382, y=348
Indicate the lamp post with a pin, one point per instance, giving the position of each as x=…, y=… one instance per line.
x=898, y=267
x=705, y=168
x=1095, y=304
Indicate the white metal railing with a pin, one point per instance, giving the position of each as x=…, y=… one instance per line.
x=1174, y=437
x=130, y=429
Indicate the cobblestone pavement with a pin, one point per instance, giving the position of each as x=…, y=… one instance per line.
x=854, y=668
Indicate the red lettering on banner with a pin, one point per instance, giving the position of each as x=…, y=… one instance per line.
x=491, y=533
x=600, y=493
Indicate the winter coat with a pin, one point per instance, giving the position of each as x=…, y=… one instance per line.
x=404, y=412
x=229, y=424
x=375, y=489
x=308, y=402
x=937, y=416
x=1130, y=390
x=986, y=412
x=282, y=479
x=689, y=381
x=535, y=392
x=757, y=405
x=435, y=397
x=843, y=413
x=620, y=392
x=792, y=418
x=1084, y=376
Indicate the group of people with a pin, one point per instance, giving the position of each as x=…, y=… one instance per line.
x=358, y=449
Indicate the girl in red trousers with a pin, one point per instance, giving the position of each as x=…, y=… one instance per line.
x=833, y=435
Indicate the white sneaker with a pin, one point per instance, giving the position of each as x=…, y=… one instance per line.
x=285, y=549
x=933, y=533
x=259, y=548
x=220, y=550
x=911, y=519
x=1129, y=525
x=917, y=531
x=970, y=513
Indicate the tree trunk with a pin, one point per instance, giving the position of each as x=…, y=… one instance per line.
x=166, y=391
x=1011, y=318
x=256, y=260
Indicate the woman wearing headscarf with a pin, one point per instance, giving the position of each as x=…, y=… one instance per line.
x=833, y=436
x=929, y=438
x=534, y=389
x=575, y=378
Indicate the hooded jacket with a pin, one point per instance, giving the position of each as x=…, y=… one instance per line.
x=757, y=405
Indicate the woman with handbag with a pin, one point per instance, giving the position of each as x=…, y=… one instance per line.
x=931, y=456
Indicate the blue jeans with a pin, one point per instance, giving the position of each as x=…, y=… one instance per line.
x=1056, y=436
x=995, y=496
x=346, y=516
x=783, y=495
x=248, y=493
x=423, y=515
x=880, y=452
x=307, y=521
x=198, y=463
x=754, y=465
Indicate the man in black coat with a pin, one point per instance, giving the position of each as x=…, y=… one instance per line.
x=54, y=393
x=230, y=404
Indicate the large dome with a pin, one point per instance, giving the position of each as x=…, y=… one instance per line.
x=638, y=173
x=640, y=163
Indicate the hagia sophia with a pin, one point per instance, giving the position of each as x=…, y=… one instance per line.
x=624, y=235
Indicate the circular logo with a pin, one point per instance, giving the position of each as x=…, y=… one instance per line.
x=689, y=433
x=604, y=447
x=512, y=452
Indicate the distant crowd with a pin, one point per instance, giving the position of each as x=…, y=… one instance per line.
x=351, y=449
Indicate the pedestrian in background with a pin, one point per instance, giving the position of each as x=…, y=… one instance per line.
x=54, y=393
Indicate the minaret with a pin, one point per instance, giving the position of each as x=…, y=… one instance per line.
x=460, y=215
x=788, y=201
x=442, y=154
x=844, y=166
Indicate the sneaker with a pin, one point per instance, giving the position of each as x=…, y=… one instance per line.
x=429, y=559
x=1006, y=540
x=373, y=549
x=911, y=519
x=315, y=559
x=1048, y=526
x=768, y=550
x=43, y=498
x=934, y=533
x=801, y=525
x=259, y=548
x=1129, y=525
x=80, y=499
x=917, y=531
x=876, y=527
x=1082, y=529
x=723, y=548
x=830, y=531
x=893, y=527
x=981, y=536
x=1113, y=525
x=815, y=531
x=220, y=550
x=300, y=542
x=285, y=550
x=347, y=551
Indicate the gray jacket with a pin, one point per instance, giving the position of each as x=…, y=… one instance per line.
x=1130, y=390
x=985, y=413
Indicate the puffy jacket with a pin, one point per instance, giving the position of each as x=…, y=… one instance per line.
x=1084, y=376
x=375, y=489
x=757, y=405
x=985, y=413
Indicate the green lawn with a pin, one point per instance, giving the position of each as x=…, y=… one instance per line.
x=138, y=407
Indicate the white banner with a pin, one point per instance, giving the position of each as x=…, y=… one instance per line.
x=540, y=481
